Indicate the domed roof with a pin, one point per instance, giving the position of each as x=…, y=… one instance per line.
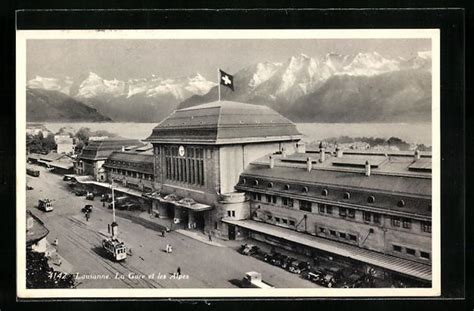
x=224, y=122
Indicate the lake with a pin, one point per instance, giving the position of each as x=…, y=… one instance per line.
x=419, y=133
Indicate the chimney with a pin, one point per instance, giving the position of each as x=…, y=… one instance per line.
x=322, y=153
x=367, y=168
x=309, y=164
x=339, y=152
x=283, y=152
x=417, y=155
x=300, y=147
x=272, y=162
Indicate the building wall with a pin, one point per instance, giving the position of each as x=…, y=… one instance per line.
x=67, y=148
x=233, y=159
x=142, y=183
x=369, y=235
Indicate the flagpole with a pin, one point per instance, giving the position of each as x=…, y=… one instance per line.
x=219, y=83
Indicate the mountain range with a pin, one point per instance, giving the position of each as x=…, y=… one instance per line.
x=366, y=87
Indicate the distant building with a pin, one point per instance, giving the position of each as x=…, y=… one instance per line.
x=96, y=138
x=65, y=144
x=93, y=156
x=130, y=169
x=36, y=129
x=200, y=153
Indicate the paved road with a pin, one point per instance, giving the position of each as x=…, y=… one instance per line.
x=205, y=265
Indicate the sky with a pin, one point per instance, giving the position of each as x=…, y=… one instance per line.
x=128, y=59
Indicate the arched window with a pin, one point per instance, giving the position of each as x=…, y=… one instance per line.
x=305, y=189
x=371, y=199
x=401, y=203
x=287, y=187
x=347, y=195
x=255, y=182
x=325, y=192
x=270, y=185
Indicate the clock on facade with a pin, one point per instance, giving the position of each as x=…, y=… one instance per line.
x=181, y=151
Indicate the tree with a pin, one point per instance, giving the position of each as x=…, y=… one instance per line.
x=40, y=275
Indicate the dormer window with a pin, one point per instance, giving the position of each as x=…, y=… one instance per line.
x=347, y=195
x=305, y=189
x=371, y=199
x=325, y=192
x=287, y=187
x=270, y=185
x=401, y=203
x=255, y=182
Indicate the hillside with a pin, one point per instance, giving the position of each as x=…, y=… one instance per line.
x=53, y=106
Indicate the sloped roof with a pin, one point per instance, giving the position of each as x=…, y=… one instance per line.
x=52, y=156
x=101, y=149
x=134, y=161
x=224, y=122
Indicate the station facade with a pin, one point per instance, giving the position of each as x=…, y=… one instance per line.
x=200, y=153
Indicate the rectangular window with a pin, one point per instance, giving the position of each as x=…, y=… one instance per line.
x=285, y=221
x=329, y=209
x=215, y=225
x=367, y=216
x=233, y=213
x=376, y=218
x=321, y=208
x=397, y=248
x=228, y=213
x=406, y=223
x=342, y=212
x=290, y=202
x=426, y=226
x=269, y=198
x=284, y=201
x=277, y=219
x=395, y=222
x=305, y=206
x=291, y=222
x=351, y=213
x=425, y=255
x=274, y=199
x=254, y=196
x=322, y=230
x=352, y=237
x=411, y=251
x=342, y=235
x=332, y=232
x=269, y=217
x=259, y=196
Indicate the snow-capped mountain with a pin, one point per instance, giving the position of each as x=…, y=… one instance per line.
x=94, y=86
x=280, y=85
x=51, y=84
x=335, y=80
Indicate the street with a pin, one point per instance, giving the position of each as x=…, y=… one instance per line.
x=149, y=266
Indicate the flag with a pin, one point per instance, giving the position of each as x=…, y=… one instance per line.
x=226, y=80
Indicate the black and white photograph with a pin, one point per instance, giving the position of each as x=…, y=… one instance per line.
x=217, y=163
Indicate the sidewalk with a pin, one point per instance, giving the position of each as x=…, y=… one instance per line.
x=198, y=236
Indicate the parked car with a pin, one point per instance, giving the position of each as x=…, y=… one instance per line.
x=287, y=262
x=355, y=280
x=87, y=208
x=314, y=275
x=253, y=279
x=248, y=249
x=80, y=192
x=90, y=196
x=277, y=259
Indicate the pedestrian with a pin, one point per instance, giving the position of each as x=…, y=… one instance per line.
x=178, y=270
x=210, y=237
x=87, y=216
x=103, y=203
x=163, y=232
x=56, y=242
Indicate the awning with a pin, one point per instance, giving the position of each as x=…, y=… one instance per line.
x=183, y=202
x=392, y=263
